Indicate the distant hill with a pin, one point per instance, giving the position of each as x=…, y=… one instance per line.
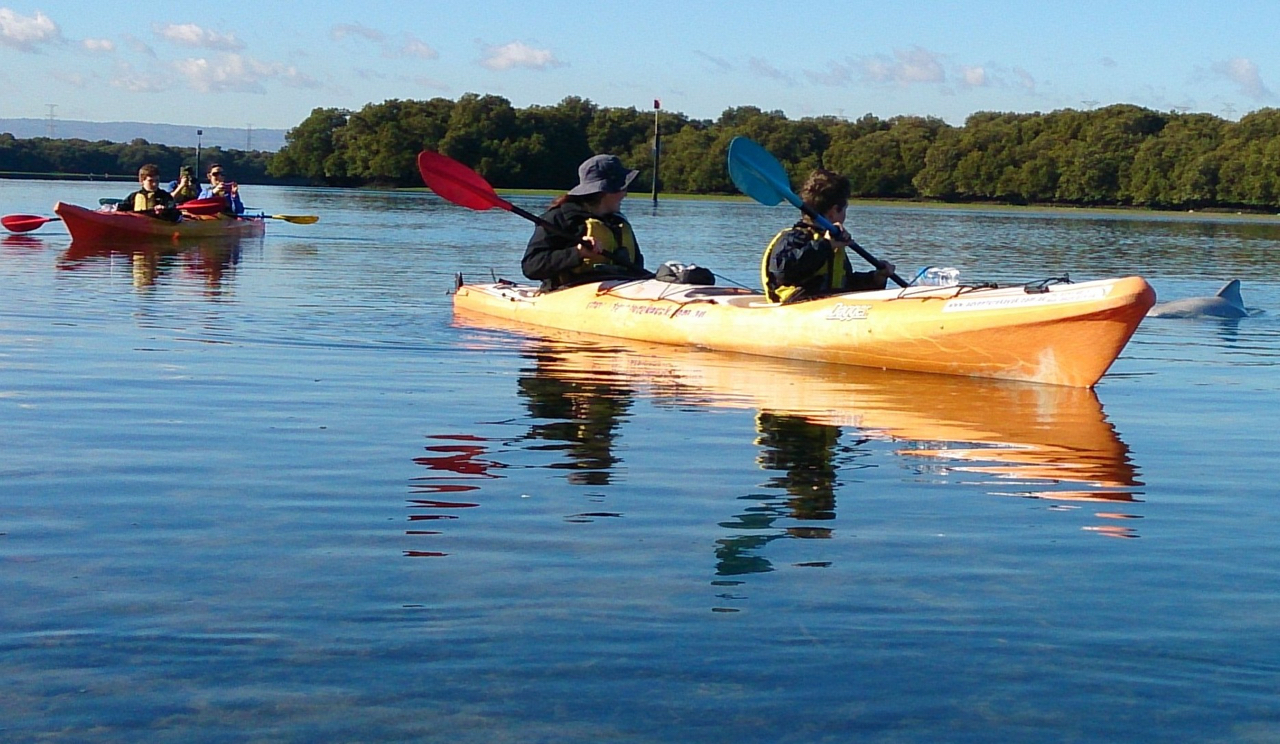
x=173, y=135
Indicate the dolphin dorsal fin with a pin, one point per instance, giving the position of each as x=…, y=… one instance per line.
x=1231, y=293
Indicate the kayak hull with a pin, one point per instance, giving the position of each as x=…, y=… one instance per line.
x=1064, y=334
x=99, y=225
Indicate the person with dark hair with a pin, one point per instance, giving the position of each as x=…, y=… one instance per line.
x=804, y=262
x=591, y=239
x=219, y=186
x=150, y=199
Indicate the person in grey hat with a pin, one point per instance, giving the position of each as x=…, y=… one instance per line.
x=590, y=239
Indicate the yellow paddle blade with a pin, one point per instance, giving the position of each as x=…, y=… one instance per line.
x=297, y=219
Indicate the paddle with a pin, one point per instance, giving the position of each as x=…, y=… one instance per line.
x=207, y=206
x=455, y=182
x=25, y=222
x=297, y=219
x=760, y=176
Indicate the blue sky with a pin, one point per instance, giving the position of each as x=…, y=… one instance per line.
x=267, y=64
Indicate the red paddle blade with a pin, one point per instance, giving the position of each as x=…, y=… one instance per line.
x=24, y=222
x=211, y=205
x=457, y=183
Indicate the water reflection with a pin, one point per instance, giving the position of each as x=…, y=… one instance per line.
x=213, y=262
x=29, y=242
x=454, y=466
x=804, y=459
x=816, y=426
x=577, y=411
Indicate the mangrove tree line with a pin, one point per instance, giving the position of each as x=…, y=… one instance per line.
x=1117, y=155
x=48, y=157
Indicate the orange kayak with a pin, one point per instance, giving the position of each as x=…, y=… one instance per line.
x=102, y=225
x=1059, y=334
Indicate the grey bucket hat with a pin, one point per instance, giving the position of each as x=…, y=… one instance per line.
x=602, y=173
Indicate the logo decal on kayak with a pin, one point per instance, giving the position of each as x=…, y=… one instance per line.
x=1058, y=297
x=842, y=311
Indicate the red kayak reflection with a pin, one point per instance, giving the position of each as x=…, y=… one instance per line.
x=213, y=260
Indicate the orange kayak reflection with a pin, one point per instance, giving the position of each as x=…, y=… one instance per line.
x=1016, y=439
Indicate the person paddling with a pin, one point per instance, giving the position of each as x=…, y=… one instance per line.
x=592, y=239
x=804, y=262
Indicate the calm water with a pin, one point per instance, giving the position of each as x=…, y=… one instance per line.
x=280, y=493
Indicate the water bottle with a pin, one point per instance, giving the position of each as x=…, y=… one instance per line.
x=936, y=276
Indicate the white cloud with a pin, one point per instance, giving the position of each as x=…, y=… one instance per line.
x=25, y=33
x=837, y=74
x=905, y=67
x=234, y=73
x=295, y=78
x=430, y=84
x=99, y=46
x=138, y=46
x=1244, y=73
x=408, y=45
x=74, y=79
x=763, y=69
x=239, y=73
x=1024, y=80
x=191, y=35
x=974, y=76
x=343, y=30
x=126, y=77
x=719, y=63
x=518, y=54
x=415, y=47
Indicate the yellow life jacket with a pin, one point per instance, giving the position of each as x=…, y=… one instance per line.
x=144, y=202
x=833, y=270
x=621, y=243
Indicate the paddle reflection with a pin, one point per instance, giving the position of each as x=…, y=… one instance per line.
x=29, y=242
x=456, y=462
x=212, y=262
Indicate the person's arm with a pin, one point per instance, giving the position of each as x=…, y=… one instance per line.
x=549, y=254
x=166, y=206
x=799, y=257
x=862, y=281
x=126, y=204
x=237, y=206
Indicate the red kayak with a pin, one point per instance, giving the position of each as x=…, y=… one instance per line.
x=99, y=225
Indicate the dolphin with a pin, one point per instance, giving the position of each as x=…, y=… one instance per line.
x=1225, y=304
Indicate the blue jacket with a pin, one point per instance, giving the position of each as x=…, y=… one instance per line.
x=237, y=206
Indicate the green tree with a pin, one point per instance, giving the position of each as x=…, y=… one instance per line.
x=310, y=149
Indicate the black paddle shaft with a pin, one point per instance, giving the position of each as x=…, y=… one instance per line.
x=813, y=215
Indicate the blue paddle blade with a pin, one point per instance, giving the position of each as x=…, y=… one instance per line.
x=758, y=174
